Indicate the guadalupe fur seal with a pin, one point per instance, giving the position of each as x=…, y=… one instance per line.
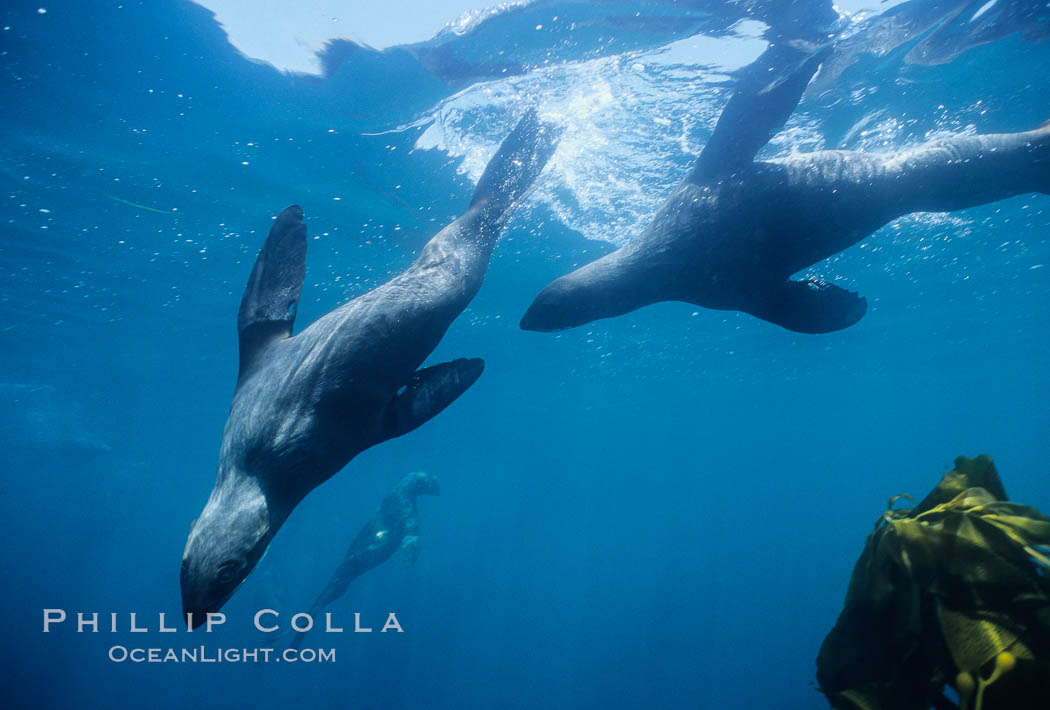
x=305, y=405
x=735, y=230
x=394, y=527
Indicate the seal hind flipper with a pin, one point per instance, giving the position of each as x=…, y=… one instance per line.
x=759, y=107
x=516, y=165
x=269, y=303
x=809, y=306
x=430, y=390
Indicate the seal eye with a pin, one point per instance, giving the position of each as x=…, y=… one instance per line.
x=227, y=572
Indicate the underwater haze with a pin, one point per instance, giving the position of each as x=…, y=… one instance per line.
x=658, y=510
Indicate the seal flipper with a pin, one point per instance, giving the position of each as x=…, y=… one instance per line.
x=410, y=549
x=428, y=392
x=516, y=165
x=269, y=303
x=810, y=306
x=762, y=103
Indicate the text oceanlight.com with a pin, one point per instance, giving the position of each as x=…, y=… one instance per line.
x=202, y=654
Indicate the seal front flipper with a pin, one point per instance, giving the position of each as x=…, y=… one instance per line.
x=410, y=549
x=272, y=296
x=768, y=90
x=428, y=392
x=810, y=306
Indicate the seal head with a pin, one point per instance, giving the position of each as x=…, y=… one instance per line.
x=224, y=545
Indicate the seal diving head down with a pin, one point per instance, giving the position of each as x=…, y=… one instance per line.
x=305, y=405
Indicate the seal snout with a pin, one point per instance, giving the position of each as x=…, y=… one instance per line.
x=546, y=312
x=202, y=595
x=535, y=320
x=193, y=611
x=532, y=320
x=194, y=619
x=194, y=607
x=559, y=306
x=292, y=213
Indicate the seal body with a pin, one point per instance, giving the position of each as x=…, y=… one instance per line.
x=734, y=231
x=305, y=405
x=394, y=527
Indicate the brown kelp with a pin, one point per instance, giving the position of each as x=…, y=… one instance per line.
x=953, y=592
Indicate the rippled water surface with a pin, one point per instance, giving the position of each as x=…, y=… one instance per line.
x=660, y=510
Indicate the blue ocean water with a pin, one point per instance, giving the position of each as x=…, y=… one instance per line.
x=659, y=510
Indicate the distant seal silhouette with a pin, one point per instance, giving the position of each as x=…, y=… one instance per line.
x=394, y=527
x=305, y=405
x=735, y=230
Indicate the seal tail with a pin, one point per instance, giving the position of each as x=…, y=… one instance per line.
x=518, y=162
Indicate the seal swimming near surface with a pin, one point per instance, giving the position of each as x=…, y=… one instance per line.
x=394, y=527
x=734, y=231
x=305, y=405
